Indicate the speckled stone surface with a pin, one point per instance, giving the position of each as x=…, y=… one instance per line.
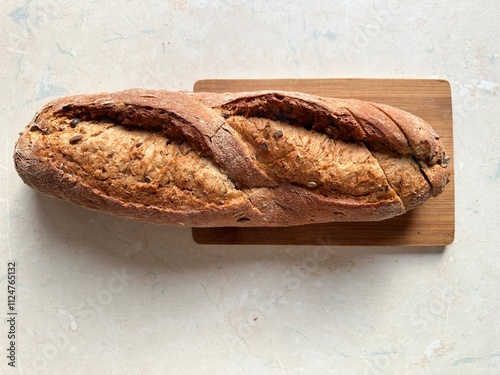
x=97, y=294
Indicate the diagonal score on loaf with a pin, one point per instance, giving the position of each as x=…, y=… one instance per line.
x=311, y=113
x=390, y=148
x=428, y=151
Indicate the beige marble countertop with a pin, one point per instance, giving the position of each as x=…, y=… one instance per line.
x=103, y=295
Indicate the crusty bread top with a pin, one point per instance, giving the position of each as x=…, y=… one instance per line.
x=247, y=159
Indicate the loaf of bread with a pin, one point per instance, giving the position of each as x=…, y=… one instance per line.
x=263, y=158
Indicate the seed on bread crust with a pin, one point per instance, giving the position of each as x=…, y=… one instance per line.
x=75, y=139
x=74, y=122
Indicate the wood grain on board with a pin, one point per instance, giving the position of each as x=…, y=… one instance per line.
x=432, y=224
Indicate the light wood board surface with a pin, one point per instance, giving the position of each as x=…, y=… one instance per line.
x=432, y=224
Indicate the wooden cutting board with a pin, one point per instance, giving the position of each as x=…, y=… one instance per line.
x=432, y=224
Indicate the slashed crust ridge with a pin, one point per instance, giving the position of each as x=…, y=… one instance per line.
x=245, y=159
